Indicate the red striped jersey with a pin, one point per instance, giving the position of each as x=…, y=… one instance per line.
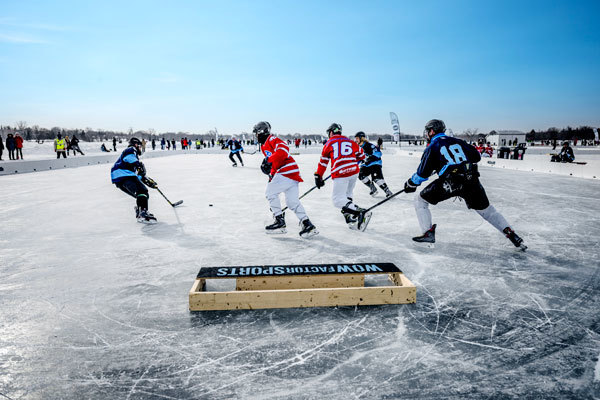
x=278, y=154
x=344, y=154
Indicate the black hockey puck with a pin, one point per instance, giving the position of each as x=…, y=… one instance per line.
x=210, y=205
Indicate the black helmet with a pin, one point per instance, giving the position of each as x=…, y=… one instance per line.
x=360, y=134
x=437, y=125
x=262, y=130
x=135, y=142
x=334, y=129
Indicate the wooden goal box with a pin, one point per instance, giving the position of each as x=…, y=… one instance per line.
x=289, y=286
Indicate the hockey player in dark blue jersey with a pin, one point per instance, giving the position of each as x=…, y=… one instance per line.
x=235, y=148
x=455, y=162
x=371, y=166
x=129, y=175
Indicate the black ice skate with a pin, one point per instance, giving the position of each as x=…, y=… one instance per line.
x=427, y=237
x=144, y=217
x=514, y=238
x=388, y=193
x=351, y=220
x=373, y=189
x=308, y=229
x=363, y=219
x=234, y=165
x=278, y=226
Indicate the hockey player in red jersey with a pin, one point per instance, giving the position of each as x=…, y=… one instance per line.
x=345, y=155
x=284, y=176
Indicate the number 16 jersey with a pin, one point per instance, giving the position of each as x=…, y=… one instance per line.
x=344, y=155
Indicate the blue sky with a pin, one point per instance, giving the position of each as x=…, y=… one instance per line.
x=195, y=65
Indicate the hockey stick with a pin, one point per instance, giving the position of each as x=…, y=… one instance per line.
x=254, y=152
x=309, y=190
x=384, y=200
x=168, y=201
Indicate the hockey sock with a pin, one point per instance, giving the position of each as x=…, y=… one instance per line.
x=366, y=181
x=423, y=213
x=381, y=183
x=491, y=215
x=142, y=201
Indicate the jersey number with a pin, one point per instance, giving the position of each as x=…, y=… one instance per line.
x=455, y=156
x=343, y=148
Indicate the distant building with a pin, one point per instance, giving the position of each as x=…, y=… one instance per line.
x=505, y=138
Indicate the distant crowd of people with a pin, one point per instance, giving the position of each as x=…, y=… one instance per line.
x=14, y=147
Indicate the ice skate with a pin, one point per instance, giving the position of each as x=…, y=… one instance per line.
x=234, y=165
x=144, y=217
x=427, y=237
x=351, y=220
x=514, y=238
x=364, y=217
x=308, y=229
x=388, y=193
x=373, y=191
x=278, y=226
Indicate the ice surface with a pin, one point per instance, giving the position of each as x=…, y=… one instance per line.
x=94, y=305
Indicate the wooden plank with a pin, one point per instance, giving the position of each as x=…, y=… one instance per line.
x=292, y=298
x=300, y=282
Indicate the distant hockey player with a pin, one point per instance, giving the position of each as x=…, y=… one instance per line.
x=371, y=166
x=455, y=162
x=129, y=175
x=235, y=148
x=345, y=156
x=284, y=177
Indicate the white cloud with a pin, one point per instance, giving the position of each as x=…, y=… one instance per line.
x=21, y=39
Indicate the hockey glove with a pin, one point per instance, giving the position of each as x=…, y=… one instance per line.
x=319, y=182
x=266, y=166
x=410, y=186
x=149, y=182
x=141, y=169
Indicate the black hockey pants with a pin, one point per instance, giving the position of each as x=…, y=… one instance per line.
x=133, y=187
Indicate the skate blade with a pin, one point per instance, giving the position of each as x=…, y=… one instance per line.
x=365, y=222
x=310, y=234
x=276, y=231
x=426, y=245
x=373, y=194
x=147, y=222
x=522, y=247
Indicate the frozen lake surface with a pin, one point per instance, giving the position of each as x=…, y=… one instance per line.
x=94, y=305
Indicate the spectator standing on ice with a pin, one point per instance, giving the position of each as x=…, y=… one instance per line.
x=153, y=144
x=162, y=143
x=284, y=177
x=173, y=144
x=60, y=146
x=11, y=146
x=1, y=147
x=143, y=145
x=345, y=155
x=380, y=143
x=19, y=146
x=114, y=143
x=75, y=146
x=455, y=162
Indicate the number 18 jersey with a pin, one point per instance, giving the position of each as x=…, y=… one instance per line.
x=442, y=152
x=344, y=155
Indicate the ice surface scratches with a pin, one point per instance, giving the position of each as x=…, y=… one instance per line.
x=94, y=305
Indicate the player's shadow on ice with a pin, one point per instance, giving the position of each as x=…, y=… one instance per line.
x=176, y=234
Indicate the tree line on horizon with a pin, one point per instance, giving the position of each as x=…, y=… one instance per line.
x=98, y=135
